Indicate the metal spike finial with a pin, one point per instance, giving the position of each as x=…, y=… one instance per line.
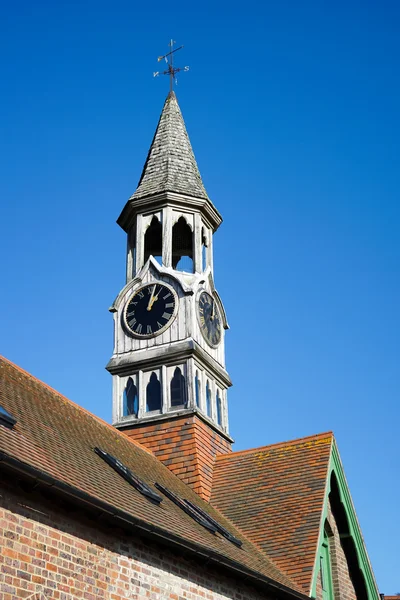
x=171, y=70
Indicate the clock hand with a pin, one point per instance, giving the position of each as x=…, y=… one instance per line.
x=155, y=298
x=152, y=298
x=213, y=311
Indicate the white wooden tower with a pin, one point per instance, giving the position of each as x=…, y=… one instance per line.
x=169, y=321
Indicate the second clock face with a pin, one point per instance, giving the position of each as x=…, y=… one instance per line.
x=209, y=319
x=150, y=310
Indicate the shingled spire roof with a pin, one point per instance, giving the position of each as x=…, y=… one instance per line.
x=170, y=165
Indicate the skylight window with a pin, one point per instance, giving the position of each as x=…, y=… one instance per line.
x=127, y=474
x=6, y=418
x=199, y=515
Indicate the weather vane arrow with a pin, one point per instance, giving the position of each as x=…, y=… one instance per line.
x=171, y=70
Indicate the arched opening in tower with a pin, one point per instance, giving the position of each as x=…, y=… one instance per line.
x=208, y=399
x=178, y=388
x=182, y=246
x=153, y=394
x=131, y=399
x=153, y=241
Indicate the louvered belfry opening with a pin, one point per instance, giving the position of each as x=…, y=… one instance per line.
x=153, y=241
x=182, y=246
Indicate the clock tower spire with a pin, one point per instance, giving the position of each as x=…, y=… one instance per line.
x=168, y=365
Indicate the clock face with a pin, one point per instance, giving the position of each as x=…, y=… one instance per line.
x=151, y=310
x=209, y=319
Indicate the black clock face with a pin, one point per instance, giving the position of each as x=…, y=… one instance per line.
x=209, y=319
x=151, y=310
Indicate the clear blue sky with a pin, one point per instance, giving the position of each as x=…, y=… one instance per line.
x=293, y=112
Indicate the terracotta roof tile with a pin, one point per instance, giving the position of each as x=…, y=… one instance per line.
x=275, y=495
x=57, y=437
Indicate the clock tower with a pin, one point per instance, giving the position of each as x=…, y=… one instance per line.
x=168, y=366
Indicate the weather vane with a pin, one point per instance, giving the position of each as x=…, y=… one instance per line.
x=171, y=71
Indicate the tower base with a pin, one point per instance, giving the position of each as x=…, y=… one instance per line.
x=186, y=444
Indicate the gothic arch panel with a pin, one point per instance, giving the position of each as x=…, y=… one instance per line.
x=178, y=392
x=208, y=399
x=182, y=246
x=153, y=240
x=130, y=399
x=197, y=389
x=188, y=217
x=153, y=392
x=219, y=409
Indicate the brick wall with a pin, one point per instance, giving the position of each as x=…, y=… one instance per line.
x=187, y=446
x=60, y=553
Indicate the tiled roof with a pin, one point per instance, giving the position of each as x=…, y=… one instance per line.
x=170, y=165
x=275, y=495
x=56, y=437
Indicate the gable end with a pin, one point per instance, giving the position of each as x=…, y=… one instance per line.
x=340, y=518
